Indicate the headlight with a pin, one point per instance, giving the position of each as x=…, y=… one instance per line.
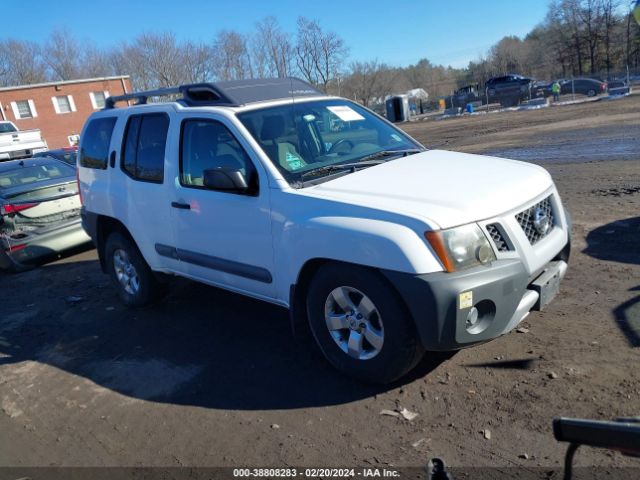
x=461, y=247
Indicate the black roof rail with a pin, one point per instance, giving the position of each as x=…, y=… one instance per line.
x=231, y=93
x=141, y=97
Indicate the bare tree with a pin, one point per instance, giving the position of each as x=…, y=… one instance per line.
x=510, y=55
x=272, y=49
x=369, y=82
x=62, y=54
x=153, y=60
x=567, y=14
x=21, y=63
x=197, y=62
x=437, y=80
x=96, y=63
x=609, y=8
x=590, y=12
x=319, y=54
x=231, y=56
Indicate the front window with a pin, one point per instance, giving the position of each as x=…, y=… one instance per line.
x=306, y=140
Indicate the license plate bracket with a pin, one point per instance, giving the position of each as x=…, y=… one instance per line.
x=547, y=284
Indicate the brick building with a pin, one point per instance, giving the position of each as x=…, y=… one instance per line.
x=58, y=109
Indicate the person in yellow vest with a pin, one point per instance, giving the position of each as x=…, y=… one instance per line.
x=555, y=89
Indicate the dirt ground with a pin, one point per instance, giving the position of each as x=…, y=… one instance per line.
x=209, y=378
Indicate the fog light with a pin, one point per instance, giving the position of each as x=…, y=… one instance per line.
x=480, y=316
x=484, y=253
x=472, y=317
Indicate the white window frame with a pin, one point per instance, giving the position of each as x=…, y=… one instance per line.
x=16, y=112
x=73, y=139
x=92, y=97
x=56, y=107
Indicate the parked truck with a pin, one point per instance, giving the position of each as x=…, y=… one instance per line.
x=19, y=144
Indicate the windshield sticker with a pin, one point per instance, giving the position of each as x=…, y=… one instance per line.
x=396, y=137
x=346, y=114
x=293, y=161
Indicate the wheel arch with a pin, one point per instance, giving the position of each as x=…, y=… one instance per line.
x=298, y=292
x=106, y=225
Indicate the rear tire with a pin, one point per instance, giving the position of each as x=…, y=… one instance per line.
x=135, y=282
x=591, y=93
x=378, y=314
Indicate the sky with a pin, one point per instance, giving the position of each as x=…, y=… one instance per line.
x=397, y=32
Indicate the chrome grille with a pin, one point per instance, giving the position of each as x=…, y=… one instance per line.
x=498, y=237
x=526, y=219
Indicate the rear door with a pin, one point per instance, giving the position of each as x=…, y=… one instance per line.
x=139, y=195
x=220, y=237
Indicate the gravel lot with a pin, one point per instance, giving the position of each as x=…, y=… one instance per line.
x=209, y=378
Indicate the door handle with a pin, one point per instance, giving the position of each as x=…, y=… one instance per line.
x=112, y=159
x=181, y=206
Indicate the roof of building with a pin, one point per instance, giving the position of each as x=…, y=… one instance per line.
x=63, y=82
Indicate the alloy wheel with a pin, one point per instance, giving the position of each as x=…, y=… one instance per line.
x=126, y=272
x=354, y=323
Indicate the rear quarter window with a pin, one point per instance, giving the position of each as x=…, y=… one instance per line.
x=94, y=150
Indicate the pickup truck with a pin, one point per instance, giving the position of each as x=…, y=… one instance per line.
x=19, y=144
x=270, y=189
x=509, y=90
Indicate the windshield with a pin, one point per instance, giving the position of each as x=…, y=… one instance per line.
x=310, y=136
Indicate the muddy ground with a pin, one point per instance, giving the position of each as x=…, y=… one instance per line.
x=209, y=378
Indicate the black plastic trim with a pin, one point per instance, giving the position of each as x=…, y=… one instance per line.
x=90, y=224
x=215, y=263
x=432, y=300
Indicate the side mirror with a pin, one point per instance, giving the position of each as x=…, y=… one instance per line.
x=225, y=179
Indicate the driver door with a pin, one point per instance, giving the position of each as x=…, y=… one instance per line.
x=222, y=237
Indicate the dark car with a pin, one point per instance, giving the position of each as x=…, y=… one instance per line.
x=583, y=86
x=39, y=211
x=65, y=154
x=465, y=95
x=509, y=90
x=618, y=87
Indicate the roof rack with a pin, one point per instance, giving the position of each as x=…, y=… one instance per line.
x=228, y=93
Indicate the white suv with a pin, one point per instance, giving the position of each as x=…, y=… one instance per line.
x=270, y=189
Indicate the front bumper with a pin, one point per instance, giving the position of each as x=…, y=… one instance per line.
x=503, y=295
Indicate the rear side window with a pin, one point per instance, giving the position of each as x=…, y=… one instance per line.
x=144, y=145
x=95, y=143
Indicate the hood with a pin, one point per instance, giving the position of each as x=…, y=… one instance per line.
x=444, y=189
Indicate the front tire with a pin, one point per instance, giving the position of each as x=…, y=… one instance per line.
x=135, y=282
x=360, y=324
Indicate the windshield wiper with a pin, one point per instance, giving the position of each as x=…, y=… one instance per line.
x=389, y=153
x=340, y=167
x=366, y=161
